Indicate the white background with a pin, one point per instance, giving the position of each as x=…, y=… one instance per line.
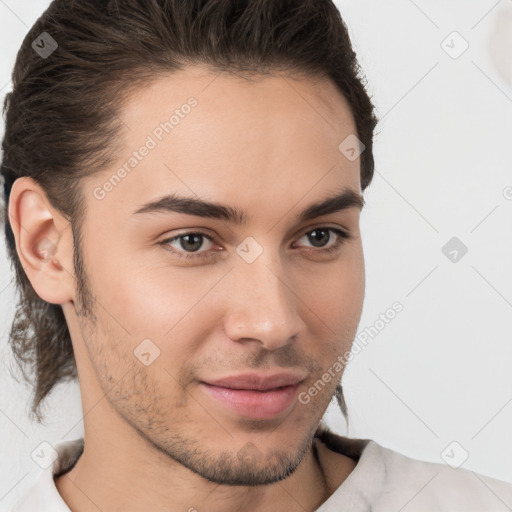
x=440, y=370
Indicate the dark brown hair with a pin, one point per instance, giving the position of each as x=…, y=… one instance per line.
x=62, y=119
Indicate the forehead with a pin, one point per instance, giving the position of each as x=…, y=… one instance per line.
x=228, y=137
x=225, y=96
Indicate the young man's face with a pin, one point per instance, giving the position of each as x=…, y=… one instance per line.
x=262, y=297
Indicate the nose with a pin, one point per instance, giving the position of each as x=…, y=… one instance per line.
x=263, y=305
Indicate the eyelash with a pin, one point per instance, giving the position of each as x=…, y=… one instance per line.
x=342, y=237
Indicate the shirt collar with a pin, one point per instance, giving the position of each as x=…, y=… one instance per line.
x=43, y=495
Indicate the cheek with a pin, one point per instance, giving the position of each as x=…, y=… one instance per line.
x=149, y=299
x=335, y=292
x=333, y=307
x=350, y=288
x=162, y=303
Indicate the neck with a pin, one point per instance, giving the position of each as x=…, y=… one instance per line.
x=110, y=477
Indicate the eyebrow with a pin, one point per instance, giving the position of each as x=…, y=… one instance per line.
x=172, y=203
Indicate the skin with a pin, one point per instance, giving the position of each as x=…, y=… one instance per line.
x=153, y=439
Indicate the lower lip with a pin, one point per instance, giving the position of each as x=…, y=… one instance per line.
x=254, y=404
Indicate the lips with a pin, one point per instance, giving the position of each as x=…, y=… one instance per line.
x=258, y=382
x=255, y=396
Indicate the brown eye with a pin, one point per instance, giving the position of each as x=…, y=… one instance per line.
x=188, y=244
x=321, y=236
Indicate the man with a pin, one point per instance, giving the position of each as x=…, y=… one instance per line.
x=184, y=184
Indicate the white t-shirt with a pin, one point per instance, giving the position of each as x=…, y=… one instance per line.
x=382, y=481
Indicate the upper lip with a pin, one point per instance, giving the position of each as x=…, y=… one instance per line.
x=257, y=381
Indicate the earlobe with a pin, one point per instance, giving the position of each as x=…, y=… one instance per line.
x=41, y=241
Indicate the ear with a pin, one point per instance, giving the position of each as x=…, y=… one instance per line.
x=44, y=241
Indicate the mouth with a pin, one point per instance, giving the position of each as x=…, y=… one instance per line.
x=255, y=395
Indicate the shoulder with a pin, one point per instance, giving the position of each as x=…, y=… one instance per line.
x=438, y=486
x=389, y=480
